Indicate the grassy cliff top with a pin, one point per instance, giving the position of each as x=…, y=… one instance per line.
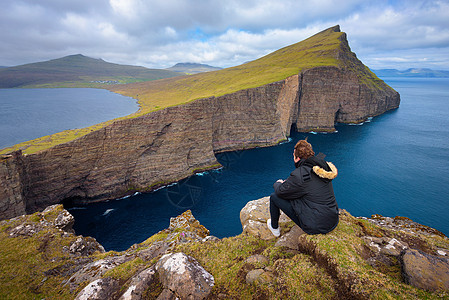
x=318, y=50
x=322, y=49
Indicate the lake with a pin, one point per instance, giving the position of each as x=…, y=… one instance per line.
x=396, y=164
x=27, y=114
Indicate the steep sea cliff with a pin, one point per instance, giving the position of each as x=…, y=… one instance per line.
x=163, y=146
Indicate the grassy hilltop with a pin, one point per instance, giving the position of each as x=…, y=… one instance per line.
x=319, y=50
x=76, y=71
x=327, y=48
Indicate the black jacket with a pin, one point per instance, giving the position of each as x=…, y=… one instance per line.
x=310, y=190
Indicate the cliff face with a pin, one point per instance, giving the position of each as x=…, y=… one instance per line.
x=143, y=153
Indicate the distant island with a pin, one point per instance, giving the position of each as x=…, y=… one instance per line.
x=412, y=72
x=77, y=71
x=192, y=68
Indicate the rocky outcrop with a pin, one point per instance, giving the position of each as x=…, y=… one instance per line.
x=82, y=269
x=161, y=147
x=357, y=260
x=387, y=248
x=254, y=216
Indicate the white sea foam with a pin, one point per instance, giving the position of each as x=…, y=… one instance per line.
x=108, y=211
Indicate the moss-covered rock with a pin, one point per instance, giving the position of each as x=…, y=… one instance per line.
x=36, y=261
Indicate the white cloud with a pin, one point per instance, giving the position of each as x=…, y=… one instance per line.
x=159, y=33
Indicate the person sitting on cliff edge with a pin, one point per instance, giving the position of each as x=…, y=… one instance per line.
x=306, y=196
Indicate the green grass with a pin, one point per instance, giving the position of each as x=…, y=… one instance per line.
x=24, y=261
x=321, y=269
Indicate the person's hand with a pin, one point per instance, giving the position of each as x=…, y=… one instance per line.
x=280, y=180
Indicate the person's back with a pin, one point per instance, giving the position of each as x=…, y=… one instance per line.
x=307, y=195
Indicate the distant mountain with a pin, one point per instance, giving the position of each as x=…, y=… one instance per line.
x=414, y=72
x=192, y=68
x=77, y=71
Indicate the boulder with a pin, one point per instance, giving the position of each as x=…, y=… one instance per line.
x=184, y=276
x=95, y=270
x=290, y=239
x=254, y=216
x=425, y=271
x=139, y=284
x=100, y=289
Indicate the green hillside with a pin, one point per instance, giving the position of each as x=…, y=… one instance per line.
x=76, y=71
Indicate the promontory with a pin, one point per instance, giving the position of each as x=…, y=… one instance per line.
x=184, y=121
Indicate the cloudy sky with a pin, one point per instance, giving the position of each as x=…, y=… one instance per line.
x=159, y=33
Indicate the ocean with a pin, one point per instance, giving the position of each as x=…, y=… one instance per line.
x=27, y=114
x=396, y=164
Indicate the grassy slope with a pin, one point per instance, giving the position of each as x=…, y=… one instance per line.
x=322, y=49
x=76, y=71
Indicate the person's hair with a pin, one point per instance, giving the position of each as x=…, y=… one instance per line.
x=303, y=149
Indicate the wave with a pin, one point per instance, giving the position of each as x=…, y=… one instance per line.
x=108, y=211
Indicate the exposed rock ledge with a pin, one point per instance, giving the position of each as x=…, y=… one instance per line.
x=362, y=258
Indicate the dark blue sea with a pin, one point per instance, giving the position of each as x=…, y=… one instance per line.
x=27, y=114
x=396, y=164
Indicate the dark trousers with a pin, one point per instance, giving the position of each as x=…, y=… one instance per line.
x=276, y=204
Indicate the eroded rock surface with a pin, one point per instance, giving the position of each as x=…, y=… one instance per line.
x=254, y=216
x=183, y=275
x=425, y=271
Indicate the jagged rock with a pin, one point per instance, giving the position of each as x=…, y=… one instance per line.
x=290, y=239
x=83, y=246
x=94, y=271
x=210, y=238
x=139, y=284
x=156, y=249
x=64, y=220
x=425, y=271
x=184, y=276
x=386, y=246
x=100, y=289
x=254, y=216
x=25, y=229
x=402, y=223
x=187, y=222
